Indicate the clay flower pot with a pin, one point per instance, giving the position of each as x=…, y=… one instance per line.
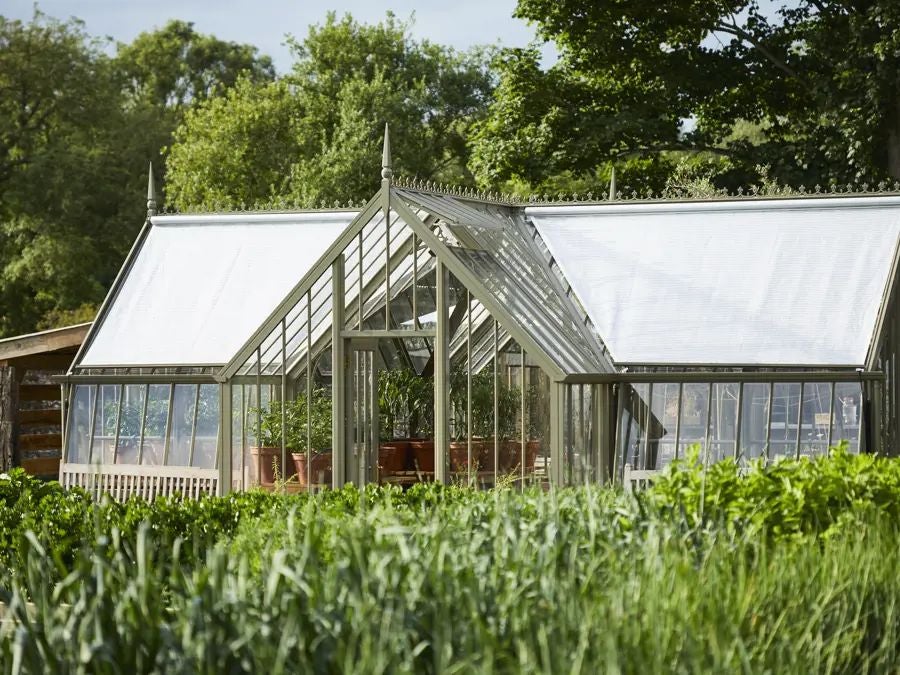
x=486, y=454
x=392, y=456
x=267, y=461
x=321, y=468
x=423, y=451
x=459, y=456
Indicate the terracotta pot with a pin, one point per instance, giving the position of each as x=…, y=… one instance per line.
x=532, y=450
x=266, y=461
x=511, y=456
x=423, y=450
x=459, y=456
x=486, y=454
x=392, y=456
x=321, y=468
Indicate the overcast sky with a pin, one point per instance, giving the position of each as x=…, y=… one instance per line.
x=264, y=23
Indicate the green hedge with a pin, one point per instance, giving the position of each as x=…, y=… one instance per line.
x=791, y=568
x=501, y=583
x=785, y=499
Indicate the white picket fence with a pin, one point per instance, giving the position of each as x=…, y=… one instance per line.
x=121, y=481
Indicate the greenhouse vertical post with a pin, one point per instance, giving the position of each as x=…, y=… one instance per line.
x=556, y=433
x=441, y=375
x=225, y=440
x=338, y=375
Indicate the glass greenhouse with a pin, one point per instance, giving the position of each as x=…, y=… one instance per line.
x=440, y=335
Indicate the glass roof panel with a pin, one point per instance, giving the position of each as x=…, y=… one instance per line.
x=200, y=285
x=493, y=244
x=765, y=282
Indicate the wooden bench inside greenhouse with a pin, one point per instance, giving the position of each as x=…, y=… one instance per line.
x=149, y=482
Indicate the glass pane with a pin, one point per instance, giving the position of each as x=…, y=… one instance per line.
x=694, y=412
x=581, y=462
x=847, y=414
x=130, y=424
x=664, y=419
x=251, y=416
x=633, y=423
x=814, y=419
x=103, y=447
x=537, y=456
x=182, y=423
x=154, y=444
x=206, y=432
x=723, y=421
x=754, y=417
x=785, y=412
x=78, y=442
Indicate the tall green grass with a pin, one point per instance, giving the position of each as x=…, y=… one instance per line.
x=575, y=581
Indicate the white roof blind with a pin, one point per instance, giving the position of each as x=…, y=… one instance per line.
x=774, y=282
x=200, y=285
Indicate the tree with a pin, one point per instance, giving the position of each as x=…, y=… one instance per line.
x=77, y=129
x=175, y=66
x=314, y=137
x=817, y=80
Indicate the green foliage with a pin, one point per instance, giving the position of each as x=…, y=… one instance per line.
x=784, y=499
x=314, y=137
x=173, y=66
x=441, y=579
x=301, y=421
x=508, y=404
x=396, y=388
x=406, y=403
x=77, y=130
x=809, y=88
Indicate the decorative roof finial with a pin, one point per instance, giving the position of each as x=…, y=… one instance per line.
x=151, y=194
x=386, y=171
x=612, y=183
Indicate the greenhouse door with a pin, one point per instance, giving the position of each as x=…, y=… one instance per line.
x=362, y=412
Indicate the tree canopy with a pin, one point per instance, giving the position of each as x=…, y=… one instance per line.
x=77, y=129
x=816, y=82
x=314, y=136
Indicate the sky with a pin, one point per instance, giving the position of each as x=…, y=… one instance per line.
x=264, y=23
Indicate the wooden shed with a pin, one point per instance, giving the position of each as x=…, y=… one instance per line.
x=30, y=415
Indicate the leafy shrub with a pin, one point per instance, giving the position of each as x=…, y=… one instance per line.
x=789, y=498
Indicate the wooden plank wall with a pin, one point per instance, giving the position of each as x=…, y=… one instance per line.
x=30, y=421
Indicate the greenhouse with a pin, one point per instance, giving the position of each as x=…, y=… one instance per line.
x=438, y=334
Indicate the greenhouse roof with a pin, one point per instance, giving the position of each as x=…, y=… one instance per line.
x=199, y=285
x=589, y=288
x=741, y=282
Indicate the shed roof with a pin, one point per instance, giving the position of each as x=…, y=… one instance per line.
x=55, y=339
x=740, y=282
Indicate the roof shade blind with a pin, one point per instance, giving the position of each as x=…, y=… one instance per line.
x=774, y=282
x=200, y=285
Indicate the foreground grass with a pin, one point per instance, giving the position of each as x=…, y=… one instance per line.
x=690, y=578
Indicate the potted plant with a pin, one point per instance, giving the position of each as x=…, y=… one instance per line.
x=309, y=436
x=266, y=428
x=459, y=408
x=508, y=406
x=536, y=402
x=303, y=420
x=420, y=407
x=393, y=391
